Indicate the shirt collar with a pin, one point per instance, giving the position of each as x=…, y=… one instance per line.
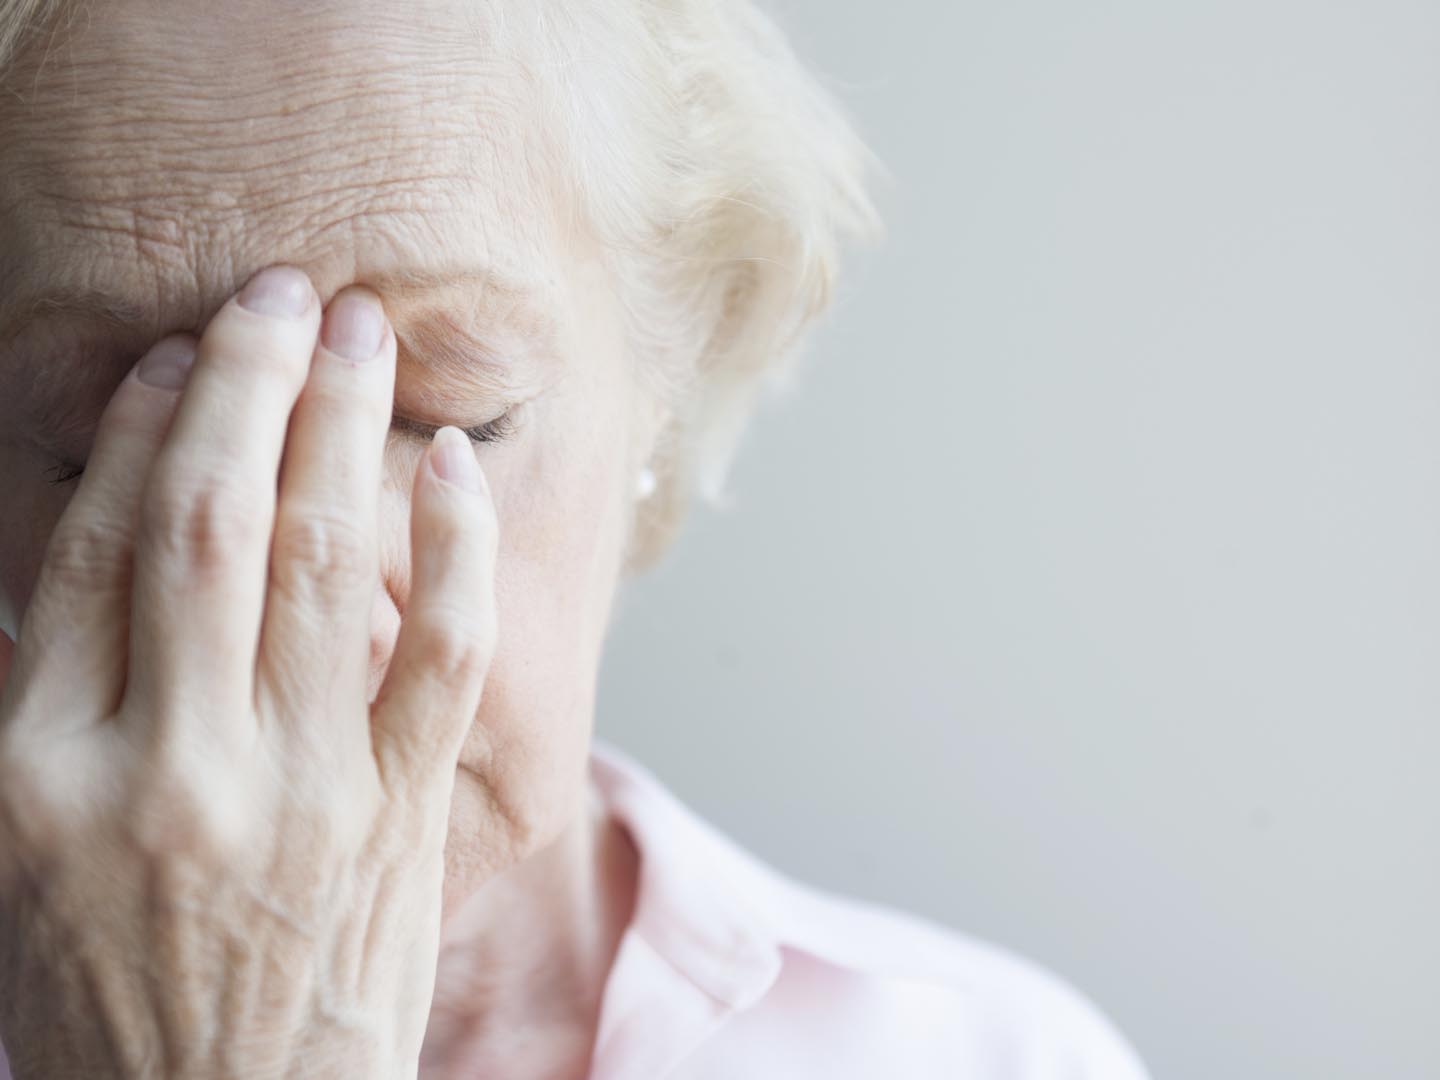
x=700, y=903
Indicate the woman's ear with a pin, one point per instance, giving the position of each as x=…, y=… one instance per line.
x=646, y=485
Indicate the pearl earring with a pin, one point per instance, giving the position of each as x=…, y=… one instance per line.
x=645, y=483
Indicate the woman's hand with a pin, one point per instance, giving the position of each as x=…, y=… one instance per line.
x=216, y=857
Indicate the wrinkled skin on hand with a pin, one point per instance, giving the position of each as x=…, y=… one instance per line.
x=217, y=856
x=402, y=148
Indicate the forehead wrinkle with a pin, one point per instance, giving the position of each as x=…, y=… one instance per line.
x=158, y=280
x=328, y=78
x=340, y=148
x=171, y=42
x=518, y=305
x=495, y=338
x=152, y=181
x=204, y=239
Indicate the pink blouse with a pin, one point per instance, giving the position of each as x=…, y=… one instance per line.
x=730, y=970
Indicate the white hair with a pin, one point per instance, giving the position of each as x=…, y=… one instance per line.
x=18, y=18
x=721, y=177
x=724, y=178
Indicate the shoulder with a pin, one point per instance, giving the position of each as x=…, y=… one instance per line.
x=821, y=984
x=882, y=978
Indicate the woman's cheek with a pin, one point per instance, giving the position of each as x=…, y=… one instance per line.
x=557, y=497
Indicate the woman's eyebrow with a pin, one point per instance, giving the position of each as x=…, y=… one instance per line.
x=474, y=329
x=22, y=311
x=511, y=305
x=489, y=335
x=490, y=361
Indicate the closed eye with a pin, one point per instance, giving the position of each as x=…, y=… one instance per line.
x=497, y=430
x=492, y=431
x=64, y=472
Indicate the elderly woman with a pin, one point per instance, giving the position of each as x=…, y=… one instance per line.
x=388, y=338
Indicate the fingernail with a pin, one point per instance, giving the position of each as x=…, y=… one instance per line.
x=278, y=290
x=354, y=325
x=453, y=459
x=167, y=365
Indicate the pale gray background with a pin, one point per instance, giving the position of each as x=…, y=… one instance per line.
x=1084, y=596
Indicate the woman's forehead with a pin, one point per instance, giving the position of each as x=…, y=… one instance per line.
x=165, y=152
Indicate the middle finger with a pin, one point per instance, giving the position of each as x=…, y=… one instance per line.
x=324, y=563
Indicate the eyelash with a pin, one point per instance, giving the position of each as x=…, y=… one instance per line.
x=497, y=430
x=64, y=472
x=492, y=431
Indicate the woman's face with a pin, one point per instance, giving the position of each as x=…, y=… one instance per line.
x=152, y=157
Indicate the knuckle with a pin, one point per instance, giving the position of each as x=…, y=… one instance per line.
x=322, y=831
x=345, y=402
x=206, y=523
x=269, y=365
x=321, y=549
x=129, y=415
x=181, y=813
x=267, y=349
x=409, y=834
x=455, y=645
x=31, y=820
x=87, y=552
